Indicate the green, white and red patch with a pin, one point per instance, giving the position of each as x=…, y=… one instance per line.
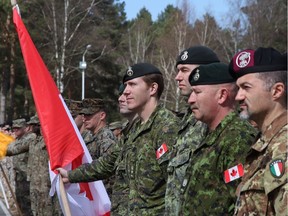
x=277, y=168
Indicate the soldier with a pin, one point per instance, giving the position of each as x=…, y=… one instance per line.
x=116, y=128
x=41, y=203
x=191, y=132
x=105, y=166
x=94, y=118
x=142, y=163
x=207, y=188
x=19, y=149
x=75, y=107
x=262, y=82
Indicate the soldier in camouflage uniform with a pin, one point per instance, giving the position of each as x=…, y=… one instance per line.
x=116, y=128
x=206, y=191
x=38, y=174
x=142, y=163
x=19, y=149
x=75, y=107
x=105, y=166
x=94, y=120
x=144, y=157
x=262, y=82
x=191, y=131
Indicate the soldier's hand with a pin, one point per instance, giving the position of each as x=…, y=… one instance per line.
x=64, y=174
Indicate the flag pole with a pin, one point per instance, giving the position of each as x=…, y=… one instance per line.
x=11, y=191
x=66, y=207
x=13, y=3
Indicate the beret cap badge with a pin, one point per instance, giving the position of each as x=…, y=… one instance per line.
x=243, y=59
x=184, y=56
x=130, y=71
x=196, y=75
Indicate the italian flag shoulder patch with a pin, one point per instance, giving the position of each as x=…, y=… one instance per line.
x=277, y=168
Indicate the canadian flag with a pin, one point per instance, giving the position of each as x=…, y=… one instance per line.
x=64, y=143
x=161, y=150
x=233, y=173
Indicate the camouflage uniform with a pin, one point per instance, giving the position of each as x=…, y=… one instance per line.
x=140, y=183
x=101, y=142
x=104, y=167
x=146, y=175
x=262, y=191
x=42, y=203
x=20, y=160
x=87, y=136
x=205, y=192
x=100, y=145
x=190, y=135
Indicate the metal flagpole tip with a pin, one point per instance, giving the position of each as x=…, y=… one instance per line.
x=13, y=2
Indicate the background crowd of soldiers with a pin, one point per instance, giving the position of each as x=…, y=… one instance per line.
x=160, y=163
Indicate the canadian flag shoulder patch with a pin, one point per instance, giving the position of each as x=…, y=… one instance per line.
x=161, y=150
x=233, y=173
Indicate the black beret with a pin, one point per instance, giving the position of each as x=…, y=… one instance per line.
x=255, y=61
x=197, y=55
x=140, y=69
x=215, y=73
x=121, y=88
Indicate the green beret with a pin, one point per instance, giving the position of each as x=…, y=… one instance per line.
x=140, y=69
x=215, y=73
x=256, y=61
x=197, y=55
x=91, y=106
x=19, y=123
x=34, y=120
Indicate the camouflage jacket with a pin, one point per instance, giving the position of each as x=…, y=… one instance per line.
x=190, y=135
x=264, y=188
x=101, y=142
x=205, y=192
x=144, y=172
x=87, y=136
x=103, y=168
x=19, y=149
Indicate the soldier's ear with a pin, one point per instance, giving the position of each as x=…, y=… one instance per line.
x=102, y=115
x=277, y=90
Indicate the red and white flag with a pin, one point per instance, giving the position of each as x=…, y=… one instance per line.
x=161, y=150
x=233, y=173
x=64, y=143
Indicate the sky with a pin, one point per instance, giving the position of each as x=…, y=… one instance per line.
x=217, y=8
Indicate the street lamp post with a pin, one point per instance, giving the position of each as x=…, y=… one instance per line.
x=83, y=66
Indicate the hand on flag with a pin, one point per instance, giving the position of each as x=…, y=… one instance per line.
x=64, y=174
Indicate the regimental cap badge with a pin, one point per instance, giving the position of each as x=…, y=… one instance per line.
x=243, y=59
x=129, y=71
x=196, y=75
x=184, y=56
x=277, y=168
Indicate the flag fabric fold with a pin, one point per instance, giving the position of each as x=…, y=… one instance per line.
x=5, y=140
x=64, y=143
